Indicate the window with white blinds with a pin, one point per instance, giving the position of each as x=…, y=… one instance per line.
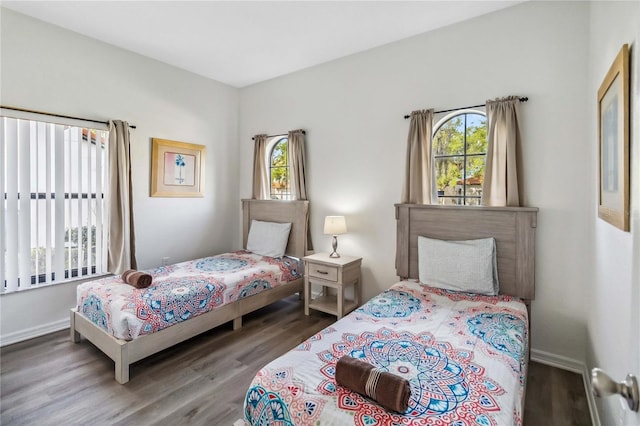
x=53, y=225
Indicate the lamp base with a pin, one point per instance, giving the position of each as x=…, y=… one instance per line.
x=334, y=244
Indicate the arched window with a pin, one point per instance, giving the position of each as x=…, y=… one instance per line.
x=459, y=153
x=279, y=182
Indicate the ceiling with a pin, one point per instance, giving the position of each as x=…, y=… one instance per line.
x=244, y=42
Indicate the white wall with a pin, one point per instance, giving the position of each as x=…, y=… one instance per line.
x=352, y=109
x=47, y=68
x=613, y=331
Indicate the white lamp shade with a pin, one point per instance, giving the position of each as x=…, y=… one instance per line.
x=335, y=225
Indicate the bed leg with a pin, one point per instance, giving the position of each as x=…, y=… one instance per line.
x=528, y=305
x=75, y=336
x=122, y=365
x=237, y=323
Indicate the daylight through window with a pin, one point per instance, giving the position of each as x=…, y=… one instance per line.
x=280, y=188
x=459, y=153
x=53, y=225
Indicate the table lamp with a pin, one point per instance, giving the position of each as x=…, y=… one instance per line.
x=335, y=225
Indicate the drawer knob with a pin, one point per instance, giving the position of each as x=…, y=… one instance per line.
x=321, y=272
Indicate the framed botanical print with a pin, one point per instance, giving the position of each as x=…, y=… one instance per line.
x=177, y=169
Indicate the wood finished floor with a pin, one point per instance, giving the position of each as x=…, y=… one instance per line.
x=51, y=381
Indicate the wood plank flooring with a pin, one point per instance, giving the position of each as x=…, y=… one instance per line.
x=51, y=381
x=555, y=397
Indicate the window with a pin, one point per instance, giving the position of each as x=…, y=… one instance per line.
x=53, y=182
x=279, y=182
x=459, y=153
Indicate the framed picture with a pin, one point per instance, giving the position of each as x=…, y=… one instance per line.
x=177, y=169
x=613, y=131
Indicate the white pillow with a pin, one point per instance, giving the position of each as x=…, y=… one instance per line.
x=268, y=238
x=468, y=266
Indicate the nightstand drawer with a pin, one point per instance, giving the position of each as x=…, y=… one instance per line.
x=329, y=273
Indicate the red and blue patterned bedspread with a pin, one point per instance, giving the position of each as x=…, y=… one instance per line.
x=464, y=355
x=181, y=291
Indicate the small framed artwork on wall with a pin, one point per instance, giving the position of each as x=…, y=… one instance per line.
x=613, y=141
x=177, y=169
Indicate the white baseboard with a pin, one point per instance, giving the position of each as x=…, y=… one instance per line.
x=558, y=361
x=574, y=366
x=30, y=333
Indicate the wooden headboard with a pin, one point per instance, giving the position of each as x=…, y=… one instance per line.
x=513, y=228
x=294, y=212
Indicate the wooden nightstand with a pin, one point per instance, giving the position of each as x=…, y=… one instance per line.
x=329, y=272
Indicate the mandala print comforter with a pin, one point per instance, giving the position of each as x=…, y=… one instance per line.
x=465, y=357
x=181, y=291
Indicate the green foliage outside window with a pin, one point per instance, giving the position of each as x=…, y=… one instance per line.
x=279, y=166
x=70, y=250
x=457, y=165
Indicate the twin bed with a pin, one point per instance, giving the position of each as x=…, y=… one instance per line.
x=189, y=298
x=464, y=354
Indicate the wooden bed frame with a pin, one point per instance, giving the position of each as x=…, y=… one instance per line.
x=126, y=352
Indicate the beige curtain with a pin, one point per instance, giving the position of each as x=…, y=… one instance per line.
x=297, y=167
x=419, y=182
x=297, y=174
x=121, y=245
x=260, y=172
x=500, y=186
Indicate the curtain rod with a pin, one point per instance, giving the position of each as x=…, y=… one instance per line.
x=524, y=99
x=58, y=115
x=283, y=134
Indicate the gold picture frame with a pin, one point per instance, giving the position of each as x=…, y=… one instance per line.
x=613, y=143
x=177, y=169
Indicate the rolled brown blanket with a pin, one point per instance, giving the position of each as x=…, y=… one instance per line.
x=136, y=278
x=389, y=390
